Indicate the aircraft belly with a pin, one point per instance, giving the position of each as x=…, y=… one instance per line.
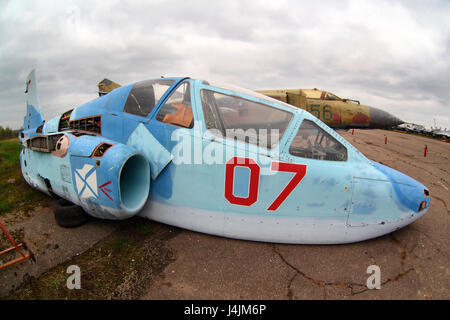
x=295, y=230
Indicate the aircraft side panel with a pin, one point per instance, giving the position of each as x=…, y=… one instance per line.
x=372, y=202
x=112, y=126
x=209, y=183
x=38, y=166
x=158, y=156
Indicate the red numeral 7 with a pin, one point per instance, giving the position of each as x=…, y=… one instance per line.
x=300, y=172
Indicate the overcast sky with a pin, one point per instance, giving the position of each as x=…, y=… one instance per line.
x=393, y=55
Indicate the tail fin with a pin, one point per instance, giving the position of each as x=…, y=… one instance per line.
x=33, y=117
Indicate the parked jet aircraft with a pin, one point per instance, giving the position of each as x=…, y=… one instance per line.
x=335, y=112
x=438, y=133
x=216, y=159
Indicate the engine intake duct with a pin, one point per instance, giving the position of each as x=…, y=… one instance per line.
x=113, y=184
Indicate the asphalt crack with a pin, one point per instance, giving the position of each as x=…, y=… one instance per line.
x=396, y=278
x=319, y=283
x=402, y=250
x=443, y=201
x=290, y=294
x=355, y=288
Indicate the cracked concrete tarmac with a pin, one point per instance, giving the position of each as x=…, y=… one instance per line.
x=414, y=261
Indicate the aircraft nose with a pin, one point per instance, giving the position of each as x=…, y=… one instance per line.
x=410, y=194
x=380, y=119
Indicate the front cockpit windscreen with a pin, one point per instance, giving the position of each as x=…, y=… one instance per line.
x=177, y=110
x=313, y=142
x=234, y=117
x=145, y=96
x=331, y=96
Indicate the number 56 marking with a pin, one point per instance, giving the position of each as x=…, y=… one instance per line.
x=252, y=197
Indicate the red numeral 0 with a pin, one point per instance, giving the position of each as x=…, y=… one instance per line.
x=254, y=181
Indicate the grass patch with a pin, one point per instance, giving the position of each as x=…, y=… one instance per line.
x=14, y=191
x=119, y=267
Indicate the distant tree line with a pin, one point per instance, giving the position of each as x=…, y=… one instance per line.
x=7, y=133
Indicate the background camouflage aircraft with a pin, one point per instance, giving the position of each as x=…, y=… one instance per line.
x=335, y=112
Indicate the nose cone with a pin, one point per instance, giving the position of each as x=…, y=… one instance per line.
x=380, y=119
x=411, y=194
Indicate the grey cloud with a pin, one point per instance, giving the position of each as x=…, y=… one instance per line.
x=347, y=46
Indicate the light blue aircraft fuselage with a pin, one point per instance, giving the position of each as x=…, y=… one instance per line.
x=166, y=155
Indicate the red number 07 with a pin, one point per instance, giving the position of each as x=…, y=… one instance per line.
x=298, y=169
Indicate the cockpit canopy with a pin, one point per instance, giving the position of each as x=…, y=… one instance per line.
x=145, y=95
x=319, y=94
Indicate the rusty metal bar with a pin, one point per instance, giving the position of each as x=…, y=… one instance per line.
x=10, y=249
x=16, y=247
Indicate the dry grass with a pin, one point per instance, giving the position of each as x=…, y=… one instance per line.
x=15, y=193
